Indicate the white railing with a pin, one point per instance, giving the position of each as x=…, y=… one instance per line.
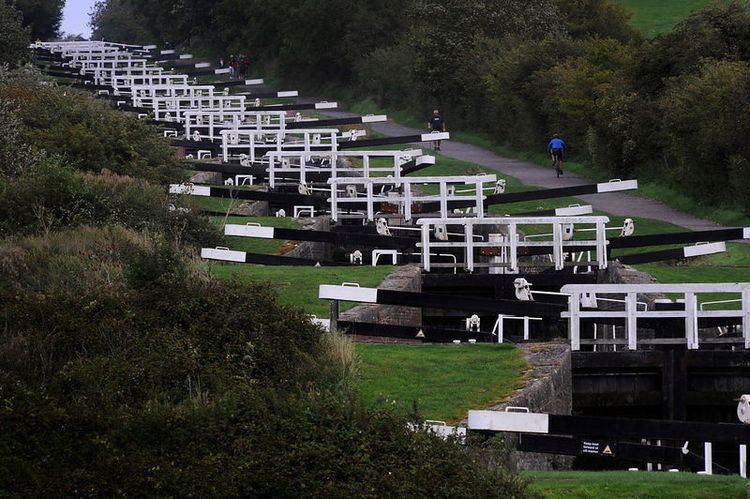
x=175, y=106
x=375, y=192
x=209, y=123
x=237, y=142
x=499, y=328
x=508, y=244
x=299, y=163
x=691, y=313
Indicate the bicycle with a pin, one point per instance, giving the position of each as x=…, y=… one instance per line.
x=557, y=163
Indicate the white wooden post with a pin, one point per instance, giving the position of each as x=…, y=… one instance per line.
x=557, y=245
x=743, y=460
x=708, y=461
x=469, y=247
x=513, y=240
x=574, y=325
x=691, y=320
x=601, y=245
x=407, y=201
x=480, y=200
x=495, y=238
x=631, y=306
x=526, y=328
x=370, y=206
x=443, y=200
x=334, y=202
x=426, y=247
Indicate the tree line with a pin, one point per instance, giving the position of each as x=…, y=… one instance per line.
x=673, y=109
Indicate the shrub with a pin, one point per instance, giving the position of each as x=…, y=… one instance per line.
x=126, y=370
x=90, y=135
x=705, y=124
x=14, y=38
x=52, y=196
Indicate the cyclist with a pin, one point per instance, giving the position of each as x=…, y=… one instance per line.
x=436, y=124
x=556, y=149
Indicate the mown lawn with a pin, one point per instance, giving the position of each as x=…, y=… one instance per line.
x=655, y=17
x=641, y=485
x=445, y=381
x=298, y=286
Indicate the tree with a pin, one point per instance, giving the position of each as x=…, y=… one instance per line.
x=120, y=21
x=705, y=124
x=42, y=16
x=14, y=38
x=719, y=31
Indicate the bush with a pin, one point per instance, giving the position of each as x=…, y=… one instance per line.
x=90, y=135
x=706, y=125
x=52, y=196
x=126, y=370
x=14, y=38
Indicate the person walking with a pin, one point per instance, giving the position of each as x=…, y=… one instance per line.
x=436, y=125
x=556, y=149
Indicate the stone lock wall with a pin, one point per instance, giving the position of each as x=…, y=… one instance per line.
x=547, y=389
x=406, y=278
x=313, y=250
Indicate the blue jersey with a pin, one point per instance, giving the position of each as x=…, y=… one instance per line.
x=556, y=144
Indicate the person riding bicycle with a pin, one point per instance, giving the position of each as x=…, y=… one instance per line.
x=556, y=149
x=436, y=124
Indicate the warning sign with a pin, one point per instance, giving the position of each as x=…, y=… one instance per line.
x=589, y=447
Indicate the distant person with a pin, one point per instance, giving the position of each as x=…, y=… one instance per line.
x=556, y=149
x=436, y=125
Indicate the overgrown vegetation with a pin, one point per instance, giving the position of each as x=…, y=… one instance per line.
x=127, y=370
x=14, y=38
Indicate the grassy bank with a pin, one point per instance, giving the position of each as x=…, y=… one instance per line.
x=445, y=381
x=656, y=17
x=631, y=485
x=298, y=286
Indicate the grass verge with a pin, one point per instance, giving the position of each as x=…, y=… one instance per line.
x=626, y=485
x=298, y=286
x=656, y=17
x=444, y=381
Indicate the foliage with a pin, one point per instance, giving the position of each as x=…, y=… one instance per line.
x=15, y=156
x=14, y=38
x=43, y=17
x=51, y=196
x=89, y=134
x=164, y=381
x=706, y=126
x=720, y=31
x=120, y=21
